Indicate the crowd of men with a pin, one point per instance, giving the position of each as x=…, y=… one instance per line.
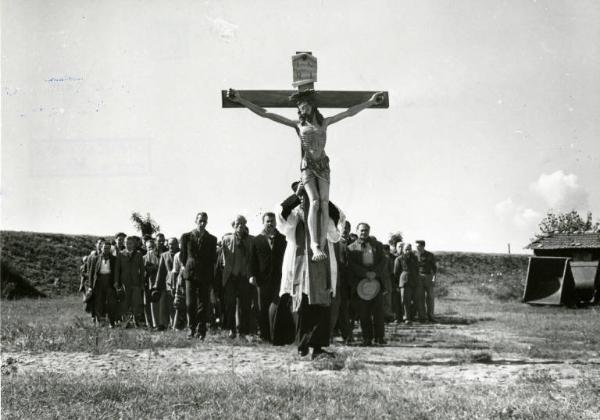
x=197, y=282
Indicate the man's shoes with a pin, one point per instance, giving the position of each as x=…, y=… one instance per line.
x=407, y=321
x=318, y=351
x=302, y=351
x=366, y=343
x=191, y=334
x=381, y=341
x=201, y=335
x=232, y=334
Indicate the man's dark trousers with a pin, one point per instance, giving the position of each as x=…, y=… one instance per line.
x=312, y=325
x=265, y=298
x=371, y=318
x=105, y=296
x=197, y=300
x=238, y=295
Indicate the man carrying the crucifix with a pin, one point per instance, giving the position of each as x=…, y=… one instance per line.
x=311, y=128
x=310, y=294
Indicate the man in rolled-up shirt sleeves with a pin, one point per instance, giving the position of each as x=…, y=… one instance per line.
x=427, y=270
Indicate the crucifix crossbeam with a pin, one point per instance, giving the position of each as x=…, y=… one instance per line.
x=305, y=75
x=325, y=98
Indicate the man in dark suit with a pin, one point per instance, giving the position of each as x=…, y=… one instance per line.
x=365, y=258
x=269, y=247
x=198, y=256
x=236, y=256
x=102, y=283
x=151, y=261
x=90, y=264
x=130, y=278
x=340, y=305
x=166, y=282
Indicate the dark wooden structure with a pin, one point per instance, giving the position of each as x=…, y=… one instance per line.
x=564, y=269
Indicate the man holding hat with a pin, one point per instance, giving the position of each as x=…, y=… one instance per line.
x=427, y=270
x=366, y=265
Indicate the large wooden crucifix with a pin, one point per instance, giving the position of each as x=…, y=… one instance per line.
x=311, y=128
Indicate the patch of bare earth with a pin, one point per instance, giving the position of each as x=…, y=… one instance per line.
x=449, y=354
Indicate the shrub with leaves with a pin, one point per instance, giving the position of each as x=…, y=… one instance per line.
x=146, y=225
x=571, y=222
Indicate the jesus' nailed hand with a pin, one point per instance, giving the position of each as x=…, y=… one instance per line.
x=311, y=128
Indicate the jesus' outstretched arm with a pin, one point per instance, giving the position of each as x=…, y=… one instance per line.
x=375, y=99
x=236, y=97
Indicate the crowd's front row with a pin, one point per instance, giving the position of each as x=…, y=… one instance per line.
x=236, y=284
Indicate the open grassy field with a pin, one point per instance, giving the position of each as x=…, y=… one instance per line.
x=486, y=358
x=489, y=356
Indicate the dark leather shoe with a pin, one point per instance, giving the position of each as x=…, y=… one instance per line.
x=366, y=343
x=320, y=352
x=232, y=334
x=302, y=351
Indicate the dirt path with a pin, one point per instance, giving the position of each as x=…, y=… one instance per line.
x=446, y=365
x=457, y=350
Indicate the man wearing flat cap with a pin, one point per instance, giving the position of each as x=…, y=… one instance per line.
x=427, y=270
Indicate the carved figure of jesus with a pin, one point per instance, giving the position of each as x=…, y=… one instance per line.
x=311, y=128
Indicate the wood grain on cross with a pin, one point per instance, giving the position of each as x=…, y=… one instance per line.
x=325, y=98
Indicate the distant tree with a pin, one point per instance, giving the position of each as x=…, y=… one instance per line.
x=146, y=225
x=395, y=238
x=571, y=222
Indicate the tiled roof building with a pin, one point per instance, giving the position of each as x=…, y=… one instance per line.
x=587, y=240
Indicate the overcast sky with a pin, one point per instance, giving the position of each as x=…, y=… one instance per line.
x=114, y=106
